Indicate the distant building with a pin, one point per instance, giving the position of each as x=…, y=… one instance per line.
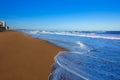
x=3, y=26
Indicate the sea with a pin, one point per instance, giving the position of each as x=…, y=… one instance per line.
x=91, y=55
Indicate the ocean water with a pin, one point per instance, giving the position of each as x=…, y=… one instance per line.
x=92, y=55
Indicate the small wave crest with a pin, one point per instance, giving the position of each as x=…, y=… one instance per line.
x=83, y=47
x=73, y=46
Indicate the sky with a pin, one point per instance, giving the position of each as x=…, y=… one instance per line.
x=62, y=15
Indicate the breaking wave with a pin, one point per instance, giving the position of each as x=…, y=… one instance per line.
x=103, y=35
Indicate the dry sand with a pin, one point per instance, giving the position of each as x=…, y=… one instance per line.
x=25, y=58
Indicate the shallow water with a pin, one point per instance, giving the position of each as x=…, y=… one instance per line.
x=92, y=55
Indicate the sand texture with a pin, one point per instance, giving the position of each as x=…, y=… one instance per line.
x=25, y=58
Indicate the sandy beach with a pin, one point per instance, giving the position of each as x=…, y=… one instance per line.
x=25, y=58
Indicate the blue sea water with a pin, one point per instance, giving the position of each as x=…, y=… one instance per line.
x=92, y=55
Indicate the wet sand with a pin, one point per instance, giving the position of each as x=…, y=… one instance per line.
x=25, y=58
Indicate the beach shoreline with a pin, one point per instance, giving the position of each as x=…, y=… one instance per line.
x=25, y=58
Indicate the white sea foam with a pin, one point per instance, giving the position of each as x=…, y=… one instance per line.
x=90, y=35
x=81, y=44
x=85, y=66
x=34, y=32
x=69, y=69
x=98, y=36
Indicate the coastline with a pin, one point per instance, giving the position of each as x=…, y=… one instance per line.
x=25, y=58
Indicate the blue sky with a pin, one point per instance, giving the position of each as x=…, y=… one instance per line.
x=61, y=14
